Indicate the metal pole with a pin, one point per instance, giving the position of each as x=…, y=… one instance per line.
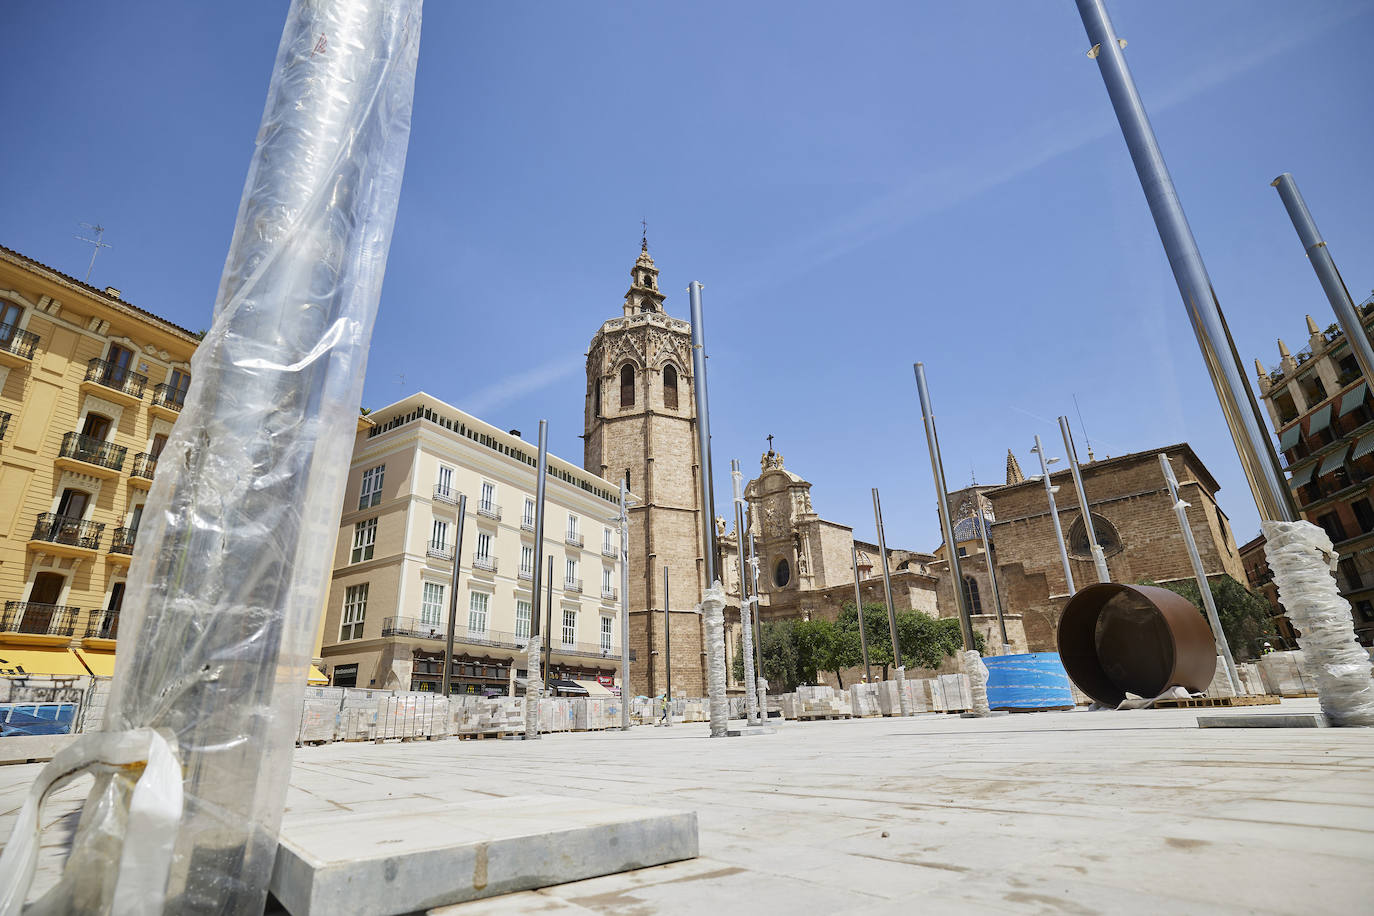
x=946, y=528
x=541, y=476
x=891, y=610
x=1238, y=405
x=453, y=595
x=1084, y=510
x=1054, y=515
x=758, y=612
x=667, y=651
x=859, y=605
x=548, y=624
x=1330, y=277
x=708, y=501
x=982, y=523
x=1181, y=509
x=624, y=611
x=751, y=697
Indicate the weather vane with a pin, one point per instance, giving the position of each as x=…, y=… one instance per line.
x=644, y=235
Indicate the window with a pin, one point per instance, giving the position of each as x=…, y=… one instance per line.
x=9, y=320
x=483, y=546
x=1364, y=515
x=136, y=517
x=73, y=503
x=606, y=626
x=627, y=386
x=177, y=384
x=527, y=520
x=438, y=537
x=445, y=480
x=522, y=619
x=120, y=360
x=596, y=398
x=364, y=540
x=159, y=443
x=370, y=493
x=477, y=612
x=963, y=552
x=670, y=388
x=354, y=610
x=1334, y=529
x=432, y=605
x=572, y=527
x=975, y=604
x=571, y=573
x=488, y=502
x=607, y=545
x=526, y=560
x=569, y=627
x=607, y=583
x=782, y=573
x=97, y=426
x=1107, y=538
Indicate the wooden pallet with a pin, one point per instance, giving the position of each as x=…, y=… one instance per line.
x=467, y=736
x=1216, y=702
x=811, y=716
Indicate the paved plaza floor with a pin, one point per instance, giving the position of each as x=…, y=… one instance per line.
x=1066, y=812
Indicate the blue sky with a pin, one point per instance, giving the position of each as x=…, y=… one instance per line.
x=859, y=186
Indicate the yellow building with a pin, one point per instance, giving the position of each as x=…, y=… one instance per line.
x=89, y=389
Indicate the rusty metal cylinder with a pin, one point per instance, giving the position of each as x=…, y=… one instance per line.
x=1116, y=639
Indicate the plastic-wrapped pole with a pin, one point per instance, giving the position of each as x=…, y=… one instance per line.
x=751, y=702
x=762, y=684
x=713, y=617
x=1054, y=514
x=1205, y=588
x=1084, y=511
x=624, y=608
x=1302, y=559
x=225, y=591
x=859, y=604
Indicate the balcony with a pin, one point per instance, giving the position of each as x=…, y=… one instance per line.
x=118, y=383
x=526, y=573
x=440, y=551
x=610, y=550
x=68, y=536
x=572, y=585
x=103, y=625
x=527, y=523
x=89, y=455
x=4, y=423
x=16, y=346
x=609, y=593
x=413, y=626
x=489, y=509
x=486, y=564
x=39, y=619
x=573, y=539
x=167, y=401
x=122, y=541
x=145, y=463
x=417, y=628
x=443, y=494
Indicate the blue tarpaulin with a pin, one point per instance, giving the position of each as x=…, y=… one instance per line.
x=1033, y=681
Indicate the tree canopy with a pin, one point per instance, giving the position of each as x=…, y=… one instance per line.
x=1246, y=618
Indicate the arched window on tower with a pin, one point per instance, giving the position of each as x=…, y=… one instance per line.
x=627, y=386
x=596, y=397
x=669, y=388
x=975, y=606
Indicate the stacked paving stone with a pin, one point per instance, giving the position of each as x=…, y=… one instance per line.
x=1286, y=674
x=863, y=700
x=821, y=703
x=956, y=694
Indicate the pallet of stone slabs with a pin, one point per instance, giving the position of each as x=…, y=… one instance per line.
x=467, y=736
x=1214, y=702
x=815, y=716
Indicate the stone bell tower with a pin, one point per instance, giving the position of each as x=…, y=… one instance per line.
x=640, y=425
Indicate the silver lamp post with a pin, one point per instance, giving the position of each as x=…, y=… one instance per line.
x=751, y=701
x=453, y=594
x=1099, y=558
x=859, y=604
x=982, y=523
x=1330, y=277
x=667, y=652
x=703, y=432
x=1050, y=489
x=1181, y=510
x=1238, y=404
x=624, y=609
x=903, y=704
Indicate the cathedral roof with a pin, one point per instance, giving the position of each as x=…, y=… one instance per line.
x=966, y=529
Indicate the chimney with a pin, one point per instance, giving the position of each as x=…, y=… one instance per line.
x=112, y=292
x=516, y=434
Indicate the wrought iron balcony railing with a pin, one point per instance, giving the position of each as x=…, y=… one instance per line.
x=443, y=494
x=93, y=451
x=526, y=573
x=527, y=523
x=63, y=529
x=39, y=619
x=484, y=563
x=103, y=625
x=122, y=541
x=164, y=395
x=120, y=378
x=610, y=550
x=420, y=628
x=609, y=593
x=489, y=509
x=145, y=463
x=4, y=422
x=440, y=550
x=572, y=585
x=17, y=341
x=573, y=538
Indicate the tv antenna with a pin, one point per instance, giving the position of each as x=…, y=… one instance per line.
x=1083, y=426
x=99, y=234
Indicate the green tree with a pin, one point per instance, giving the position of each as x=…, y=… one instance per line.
x=1245, y=617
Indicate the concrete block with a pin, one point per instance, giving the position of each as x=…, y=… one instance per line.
x=1265, y=720
x=400, y=862
x=32, y=748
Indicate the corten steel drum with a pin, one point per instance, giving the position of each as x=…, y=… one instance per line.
x=1116, y=639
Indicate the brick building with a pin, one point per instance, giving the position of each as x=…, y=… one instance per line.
x=1320, y=403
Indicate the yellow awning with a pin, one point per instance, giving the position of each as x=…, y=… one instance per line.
x=100, y=663
x=594, y=689
x=317, y=678
x=16, y=662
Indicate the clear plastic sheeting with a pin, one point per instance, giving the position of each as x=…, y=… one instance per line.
x=533, y=686
x=903, y=695
x=236, y=541
x=1302, y=559
x=713, y=616
x=977, y=673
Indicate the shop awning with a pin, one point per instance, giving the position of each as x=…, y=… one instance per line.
x=317, y=678
x=1333, y=461
x=100, y=663
x=594, y=689
x=16, y=662
x=573, y=688
x=1287, y=439
x=1352, y=398
x=1363, y=447
x=1320, y=421
x=1300, y=476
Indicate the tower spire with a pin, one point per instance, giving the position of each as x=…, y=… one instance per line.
x=1014, y=474
x=643, y=294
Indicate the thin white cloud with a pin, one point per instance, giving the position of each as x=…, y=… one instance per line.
x=498, y=394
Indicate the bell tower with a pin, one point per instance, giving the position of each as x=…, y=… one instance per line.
x=640, y=425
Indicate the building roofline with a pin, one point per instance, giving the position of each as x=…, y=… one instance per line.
x=1181, y=449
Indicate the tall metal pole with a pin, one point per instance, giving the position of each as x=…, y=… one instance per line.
x=946, y=527
x=1054, y=515
x=982, y=523
x=1071, y=455
x=859, y=605
x=624, y=610
x=453, y=595
x=548, y=624
x=751, y=699
x=1330, y=277
x=900, y=670
x=708, y=500
x=540, y=478
x=759, y=687
x=1238, y=405
x=667, y=651
x=1181, y=509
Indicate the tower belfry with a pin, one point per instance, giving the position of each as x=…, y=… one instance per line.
x=643, y=294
